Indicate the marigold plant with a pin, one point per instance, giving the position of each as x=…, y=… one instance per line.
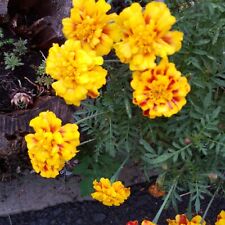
x=92, y=26
x=52, y=144
x=146, y=34
x=110, y=194
x=184, y=146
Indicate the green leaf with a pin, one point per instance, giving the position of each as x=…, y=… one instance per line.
x=147, y=146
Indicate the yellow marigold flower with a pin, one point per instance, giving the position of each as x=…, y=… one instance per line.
x=160, y=91
x=197, y=220
x=179, y=220
x=146, y=34
x=78, y=72
x=52, y=144
x=71, y=60
x=221, y=218
x=147, y=222
x=110, y=194
x=90, y=24
x=183, y=220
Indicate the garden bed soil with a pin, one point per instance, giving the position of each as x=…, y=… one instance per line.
x=139, y=206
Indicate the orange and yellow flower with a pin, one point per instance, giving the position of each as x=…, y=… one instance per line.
x=92, y=26
x=179, y=220
x=221, y=218
x=52, y=144
x=110, y=194
x=77, y=71
x=160, y=91
x=144, y=222
x=147, y=222
x=146, y=34
x=183, y=220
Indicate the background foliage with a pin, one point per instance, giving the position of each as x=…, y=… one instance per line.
x=188, y=148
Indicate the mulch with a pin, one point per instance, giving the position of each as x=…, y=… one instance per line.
x=139, y=206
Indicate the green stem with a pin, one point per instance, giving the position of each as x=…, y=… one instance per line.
x=85, y=142
x=116, y=174
x=155, y=220
x=209, y=205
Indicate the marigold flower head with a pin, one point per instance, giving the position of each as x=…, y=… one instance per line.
x=146, y=34
x=221, y=218
x=179, y=220
x=90, y=24
x=183, y=220
x=52, y=144
x=78, y=72
x=160, y=91
x=197, y=220
x=147, y=222
x=110, y=194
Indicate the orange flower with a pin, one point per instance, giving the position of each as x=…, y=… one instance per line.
x=160, y=91
x=156, y=191
x=197, y=220
x=146, y=34
x=110, y=193
x=92, y=26
x=147, y=222
x=52, y=144
x=221, y=218
x=179, y=220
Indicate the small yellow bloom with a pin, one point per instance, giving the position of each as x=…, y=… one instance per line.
x=77, y=71
x=52, y=144
x=146, y=34
x=92, y=26
x=221, y=218
x=160, y=91
x=110, y=194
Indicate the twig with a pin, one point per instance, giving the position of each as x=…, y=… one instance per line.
x=85, y=142
x=43, y=55
x=40, y=89
x=209, y=205
x=182, y=195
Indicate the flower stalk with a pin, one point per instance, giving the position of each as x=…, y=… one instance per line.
x=115, y=176
x=155, y=220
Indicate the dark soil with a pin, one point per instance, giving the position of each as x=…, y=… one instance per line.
x=138, y=207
